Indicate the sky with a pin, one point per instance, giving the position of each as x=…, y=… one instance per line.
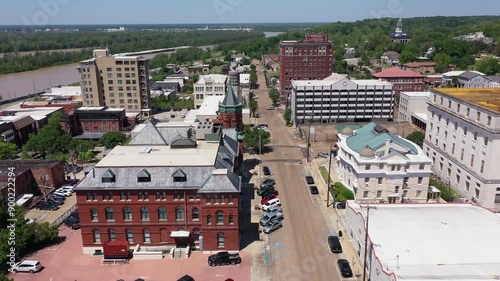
x=54, y=12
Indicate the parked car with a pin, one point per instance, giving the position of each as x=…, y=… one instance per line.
x=75, y=214
x=47, y=206
x=222, y=258
x=267, y=182
x=323, y=154
x=265, y=189
x=309, y=180
x=69, y=188
x=265, y=199
x=272, y=226
x=186, y=278
x=273, y=210
x=266, y=170
x=58, y=201
x=334, y=244
x=345, y=268
x=56, y=196
x=268, y=192
x=314, y=189
x=30, y=266
x=270, y=203
x=29, y=221
x=63, y=192
x=267, y=217
x=341, y=205
x=72, y=222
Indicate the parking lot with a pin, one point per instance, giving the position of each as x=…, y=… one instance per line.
x=66, y=262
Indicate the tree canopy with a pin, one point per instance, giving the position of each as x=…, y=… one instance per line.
x=274, y=95
x=112, y=139
x=253, y=106
x=8, y=150
x=252, y=136
x=489, y=66
x=417, y=137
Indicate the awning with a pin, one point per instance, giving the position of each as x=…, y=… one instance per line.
x=393, y=195
x=179, y=234
x=434, y=189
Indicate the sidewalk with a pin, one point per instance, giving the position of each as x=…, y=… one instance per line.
x=336, y=217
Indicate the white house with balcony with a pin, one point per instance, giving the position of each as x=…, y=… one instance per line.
x=381, y=167
x=209, y=85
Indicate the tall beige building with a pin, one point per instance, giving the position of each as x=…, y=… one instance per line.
x=116, y=81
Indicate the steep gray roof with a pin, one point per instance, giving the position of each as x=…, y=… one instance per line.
x=221, y=181
x=468, y=75
x=152, y=135
x=230, y=99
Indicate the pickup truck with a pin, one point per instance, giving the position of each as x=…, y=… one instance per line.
x=223, y=258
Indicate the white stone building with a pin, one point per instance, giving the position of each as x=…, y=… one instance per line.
x=209, y=85
x=463, y=140
x=380, y=166
x=413, y=108
x=336, y=99
x=417, y=242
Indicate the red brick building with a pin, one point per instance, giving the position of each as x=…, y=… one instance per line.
x=100, y=119
x=403, y=80
x=230, y=114
x=183, y=194
x=310, y=59
x=30, y=176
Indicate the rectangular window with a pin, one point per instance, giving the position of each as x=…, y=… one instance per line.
x=230, y=199
x=419, y=193
x=208, y=199
x=465, y=131
x=458, y=107
x=216, y=199
x=485, y=141
x=420, y=179
x=365, y=194
x=462, y=154
x=380, y=180
x=478, y=116
x=456, y=125
x=482, y=166
x=467, y=112
x=379, y=193
x=381, y=166
x=368, y=167
x=458, y=179
x=489, y=120
x=475, y=136
x=453, y=148
x=467, y=186
x=472, y=160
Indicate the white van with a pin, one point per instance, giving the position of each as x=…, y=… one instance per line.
x=271, y=203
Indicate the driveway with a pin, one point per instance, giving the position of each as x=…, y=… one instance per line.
x=66, y=262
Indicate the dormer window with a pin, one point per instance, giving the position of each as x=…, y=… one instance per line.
x=144, y=176
x=108, y=177
x=179, y=176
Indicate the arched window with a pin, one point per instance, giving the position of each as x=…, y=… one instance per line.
x=220, y=217
x=127, y=214
x=209, y=219
x=110, y=214
x=111, y=234
x=93, y=215
x=130, y=236
x=162, y=213
x=97, y=236
x=196, y=234
x=147, y=236
x=195, y=213
x=231, y=219
x=220, y=240
x=144, y=213
x=179, y=213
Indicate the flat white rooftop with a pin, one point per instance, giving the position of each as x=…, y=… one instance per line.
x=210, y=105
x=436, y=241
x=421, y=116
x=417, y=94
x=160, y=156
x=215, y=78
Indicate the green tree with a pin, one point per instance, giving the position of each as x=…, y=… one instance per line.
x=253, y=136
x=50, y=140
x=287, y=115
x=86, y=156
x=489, y=66
x=112, y=139
x=254, y=106
x=274, y=95
x=442, y=61
x=417, y=137
x=8, y=150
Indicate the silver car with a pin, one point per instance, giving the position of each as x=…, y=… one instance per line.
x=30, y=266
x=272, y=226
x=269, y=217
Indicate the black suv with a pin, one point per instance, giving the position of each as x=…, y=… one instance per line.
x=345, y=268
x=47, y=206
x=334, y=244
x=266, y=170
x=309, y=180
x=72, y=222
x=224, y=258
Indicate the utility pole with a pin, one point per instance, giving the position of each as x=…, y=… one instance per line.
x=329, y=177
x=309, y=139
x=260, y=155
x=368, y=207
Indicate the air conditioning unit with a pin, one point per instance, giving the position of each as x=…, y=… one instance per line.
x=464, y=200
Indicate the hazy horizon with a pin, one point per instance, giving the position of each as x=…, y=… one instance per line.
x=224, y=12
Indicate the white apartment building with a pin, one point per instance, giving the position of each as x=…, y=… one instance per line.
x=338, y=99
x=208, y=85
x=382, y=167
x=413, y=108
x=463, y=140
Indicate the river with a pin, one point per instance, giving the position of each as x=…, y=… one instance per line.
x=25, y=83
x=22, y=84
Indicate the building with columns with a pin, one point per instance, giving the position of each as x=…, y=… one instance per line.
x=463, y=140
x=382, y=167
x=399, y=36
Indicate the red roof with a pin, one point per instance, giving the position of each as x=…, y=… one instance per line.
x=395, y=72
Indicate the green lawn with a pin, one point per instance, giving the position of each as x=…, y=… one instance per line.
x=324, y=173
